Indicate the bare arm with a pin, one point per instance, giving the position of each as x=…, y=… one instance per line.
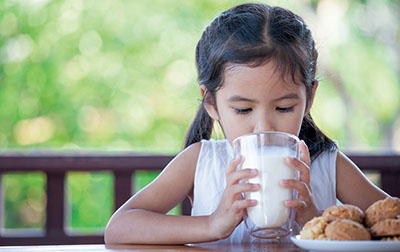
x=142, y=219
x=352, y=186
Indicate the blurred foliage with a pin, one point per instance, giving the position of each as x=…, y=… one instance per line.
x=24, y=199
x=119, y=75
x=90, y=200
x=116, y=75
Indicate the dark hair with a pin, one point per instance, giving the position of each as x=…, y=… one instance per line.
x=253, y=34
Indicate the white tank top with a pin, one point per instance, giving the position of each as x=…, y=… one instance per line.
x=209, y=183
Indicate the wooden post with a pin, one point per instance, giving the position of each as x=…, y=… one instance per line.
x=390, y=183
x=2, y=204
x=123, y=185
x=55, y=209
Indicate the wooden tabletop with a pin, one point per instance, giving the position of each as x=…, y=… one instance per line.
x=274, y=247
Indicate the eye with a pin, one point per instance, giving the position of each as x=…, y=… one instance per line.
x=284, y=109
x=242, y=111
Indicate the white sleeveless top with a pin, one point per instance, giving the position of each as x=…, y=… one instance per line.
x=209, y=183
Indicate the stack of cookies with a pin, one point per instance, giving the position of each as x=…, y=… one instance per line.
x=347, y=222
x=383, y=219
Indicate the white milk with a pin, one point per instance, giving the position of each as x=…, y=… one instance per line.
x=270, y=211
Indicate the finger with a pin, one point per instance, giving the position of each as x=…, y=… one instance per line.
x=296, y=204
x=304, y=153
x=301, y=187
x=233, y=165
x=302, y=167
x=240, y=205
x=236, y=176
x=237, y=189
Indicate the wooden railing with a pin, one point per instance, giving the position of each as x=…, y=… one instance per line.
x=123, y=166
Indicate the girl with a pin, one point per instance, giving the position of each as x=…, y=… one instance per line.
x=256, y=67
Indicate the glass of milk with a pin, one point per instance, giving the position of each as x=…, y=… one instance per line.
x=266, y=152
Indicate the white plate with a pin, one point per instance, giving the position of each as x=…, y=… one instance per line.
x=322, y=245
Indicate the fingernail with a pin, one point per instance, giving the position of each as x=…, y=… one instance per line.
x=284, y=182
x=254, y=186
x=253, y=171
x=253, y=202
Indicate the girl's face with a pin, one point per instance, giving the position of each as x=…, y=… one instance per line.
x=256, y=99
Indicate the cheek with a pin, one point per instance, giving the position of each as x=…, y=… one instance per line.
x=299, y=121
x=293, y=124
x=300, y=115
x=233, y=126
x=232, y=129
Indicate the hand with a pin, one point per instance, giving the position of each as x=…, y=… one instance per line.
x=305, y=204
x=230, y=210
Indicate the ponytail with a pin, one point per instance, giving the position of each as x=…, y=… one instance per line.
x=316, y=141
x=201, y=127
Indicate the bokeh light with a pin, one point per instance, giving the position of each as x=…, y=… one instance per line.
x=117, y=75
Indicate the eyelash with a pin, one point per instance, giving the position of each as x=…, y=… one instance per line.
x=284, y=110
x=243, y=111
x=248, y=110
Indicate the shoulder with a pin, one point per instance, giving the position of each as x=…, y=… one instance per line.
x=345, y=163
x=180, y=169
x=192, y=149
x=343, y=160
x=183, y=165
x=188, y=157
x=346, y=167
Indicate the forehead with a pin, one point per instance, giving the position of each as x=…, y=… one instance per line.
x=265, y=80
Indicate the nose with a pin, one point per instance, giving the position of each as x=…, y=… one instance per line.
x=264, y=124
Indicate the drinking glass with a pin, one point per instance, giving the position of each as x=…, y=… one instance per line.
x=266, y=152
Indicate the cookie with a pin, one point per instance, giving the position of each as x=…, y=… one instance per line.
x=322, y=237
x=345, y=211
x=388, y=208
x=388, y=227
x=346, y=230
x=314, y=228
x=391, y=238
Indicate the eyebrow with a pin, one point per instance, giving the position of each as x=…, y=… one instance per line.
x=287, y=96
x=238, y=98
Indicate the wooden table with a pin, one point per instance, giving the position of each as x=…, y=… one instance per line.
x=274, y=247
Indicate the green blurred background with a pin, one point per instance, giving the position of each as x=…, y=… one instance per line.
x=116, y=75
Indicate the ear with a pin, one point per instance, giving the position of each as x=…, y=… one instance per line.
x=209, y=103
x=314, y=90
